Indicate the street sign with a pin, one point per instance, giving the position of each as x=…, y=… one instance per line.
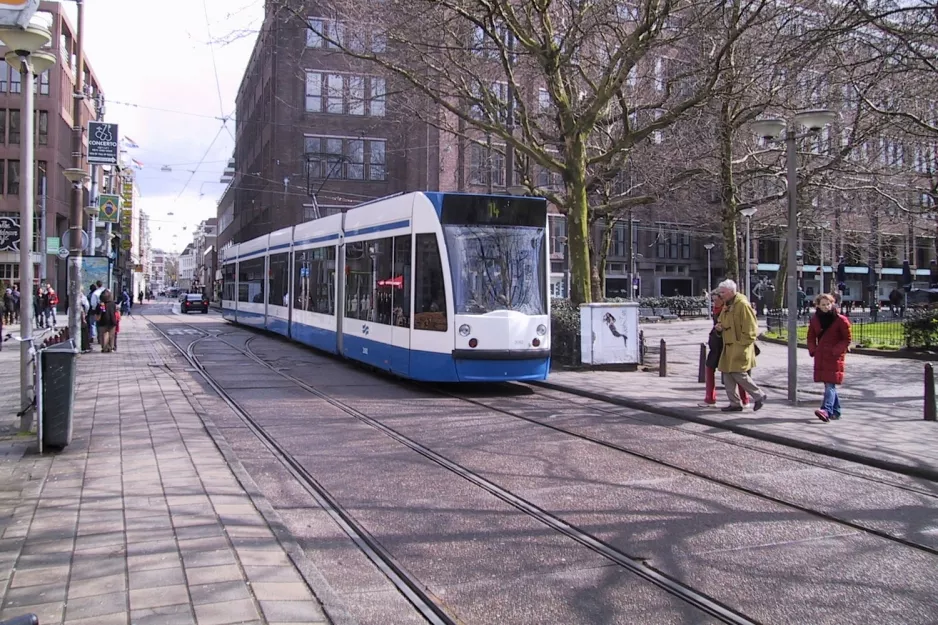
x=109, y=208
x=126, y=244
x=17, y=12
x=52, y=245
x=66, y=240
x=62, y=253
x=103, y=144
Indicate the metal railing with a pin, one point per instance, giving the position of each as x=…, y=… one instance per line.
x=880, y=331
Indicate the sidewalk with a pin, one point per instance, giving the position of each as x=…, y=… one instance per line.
x=140, y=519
x=883, y=401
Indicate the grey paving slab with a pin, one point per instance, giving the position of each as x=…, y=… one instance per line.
x=129, y=523
x=882, y=398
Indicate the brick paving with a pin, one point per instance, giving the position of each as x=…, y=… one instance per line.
x=882, y=397
x=140, y=520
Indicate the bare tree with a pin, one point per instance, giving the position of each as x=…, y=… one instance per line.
x=556, y=82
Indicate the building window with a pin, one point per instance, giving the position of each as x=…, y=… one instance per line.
x=13, y=177
x=673, y=246
x=3, y=177
x=558, y=235
x=14, y=127
x=379, y=41
x=3, y=126
x=334, y=153
x=42, y=169
x=377, y=166
x=4, y=76
x=334, y=94
x=314, y=33
x=478, y=172
x=42, y=127
x=378, y=95
x=335, y=31
x=43, y=83
x=15, y=81
x=345, y=158
x=356, y=95
x=498, y=168
x=355, y=152
x=313, y=92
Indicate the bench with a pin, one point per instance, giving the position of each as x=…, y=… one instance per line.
x=666, y=314
x=648, y=315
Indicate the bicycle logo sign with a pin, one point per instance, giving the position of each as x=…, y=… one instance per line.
x=103, y=146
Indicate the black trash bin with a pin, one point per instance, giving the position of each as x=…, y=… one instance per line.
x=58, y=364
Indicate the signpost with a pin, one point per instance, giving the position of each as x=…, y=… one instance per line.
x=9, y=234
x=126, y=244
x=109, y=208
x=103, y=144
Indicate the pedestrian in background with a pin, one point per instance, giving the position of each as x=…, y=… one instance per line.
x=829, y=337
x=738, y=328
x=94, y=300
x=106, y=320
x=715, y=344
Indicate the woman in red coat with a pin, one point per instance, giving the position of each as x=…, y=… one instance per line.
x=829, y=338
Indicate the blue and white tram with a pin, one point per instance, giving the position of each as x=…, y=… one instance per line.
x=443, y=287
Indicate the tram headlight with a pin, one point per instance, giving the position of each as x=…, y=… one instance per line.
x=464, y=329
x=541, y=330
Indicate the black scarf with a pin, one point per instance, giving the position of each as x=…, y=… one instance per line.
x=827, y=319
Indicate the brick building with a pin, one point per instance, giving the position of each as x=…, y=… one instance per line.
x=53, y=148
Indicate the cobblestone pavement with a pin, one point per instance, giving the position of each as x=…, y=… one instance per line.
x=140, y=520
x=882, y=397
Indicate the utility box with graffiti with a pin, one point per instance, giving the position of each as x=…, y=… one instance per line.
x=609, y=335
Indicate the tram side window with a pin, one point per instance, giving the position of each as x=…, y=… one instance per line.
x=400, y=282
x=228, y=275
x=251, y=281
x=279, y=280
x=314, y=280
x=429, y=291
x=368, y=277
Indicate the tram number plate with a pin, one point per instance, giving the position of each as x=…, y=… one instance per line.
x=184, y=331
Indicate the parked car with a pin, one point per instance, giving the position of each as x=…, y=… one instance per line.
x=190, y=302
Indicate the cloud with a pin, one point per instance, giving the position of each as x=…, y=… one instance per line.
x=154, y=63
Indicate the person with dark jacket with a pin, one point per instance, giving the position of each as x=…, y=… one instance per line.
x=829, y=338
x=107, y=319
x=715, y=345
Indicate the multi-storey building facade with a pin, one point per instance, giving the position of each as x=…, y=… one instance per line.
x=187, y=263
x=53, y=146
x=203, y=242
x=318, y=132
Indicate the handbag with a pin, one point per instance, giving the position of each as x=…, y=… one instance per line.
x=756, y=346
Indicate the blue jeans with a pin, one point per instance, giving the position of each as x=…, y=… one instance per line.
x=831, y=402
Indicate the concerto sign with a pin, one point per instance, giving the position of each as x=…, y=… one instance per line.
x=103, y=146
x=9, y=234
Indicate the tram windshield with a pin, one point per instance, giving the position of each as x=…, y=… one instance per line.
x=497, y=268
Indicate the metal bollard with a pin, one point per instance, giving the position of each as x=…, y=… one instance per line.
x=702, y=365
x=929, y=392
x=663, y=363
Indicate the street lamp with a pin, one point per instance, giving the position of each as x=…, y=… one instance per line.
x=24, y=42
x=823, y=226
x=708, y=247
x=748, y=213
x=773, y=130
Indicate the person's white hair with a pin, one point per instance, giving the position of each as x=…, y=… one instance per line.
x=729, y=285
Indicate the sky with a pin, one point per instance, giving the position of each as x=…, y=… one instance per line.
x=154, y=63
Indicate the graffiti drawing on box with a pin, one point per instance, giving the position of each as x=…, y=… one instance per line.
x=610, y=322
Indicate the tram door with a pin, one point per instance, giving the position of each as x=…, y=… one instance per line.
x=400, y=305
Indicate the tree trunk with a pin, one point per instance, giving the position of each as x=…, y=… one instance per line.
x=604, y=244
x=728, y=211
x=578, y=228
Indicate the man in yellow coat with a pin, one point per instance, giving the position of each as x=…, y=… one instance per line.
x=738, y=328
